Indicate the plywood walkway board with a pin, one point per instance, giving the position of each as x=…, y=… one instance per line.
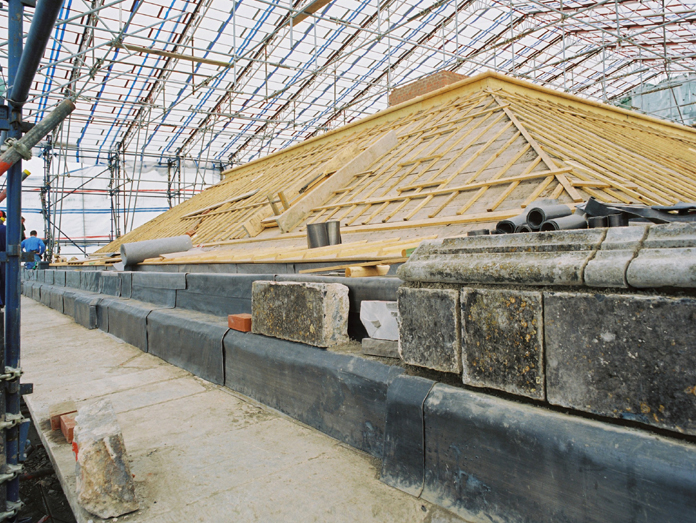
x=460, y=158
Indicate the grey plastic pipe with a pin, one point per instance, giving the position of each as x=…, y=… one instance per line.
x=574, y=221
x=136, y=252
x=544, y=213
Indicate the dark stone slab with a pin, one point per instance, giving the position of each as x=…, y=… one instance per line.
x=56, y=300
x=340, y=395
x=72, y=279
x=45, y=296
x=36, y=292
x=59, y=278
x=69, y=303
x=623, y=356
x=160, y=280
x=86, y=309
x=89, y=280
x=189, y=340
x=126, y=284
x=429, y=333
x=219, y=294
x=159, y=297
x=40, y=276
x=48, y=276
x=217, y=305
x=489, y=459
x=110, y=284
x=128, y=321
x=404, y=445
x=228, y=285
x=503, y=340
x=28, y=289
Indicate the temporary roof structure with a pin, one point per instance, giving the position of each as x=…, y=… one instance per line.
x=460, y=158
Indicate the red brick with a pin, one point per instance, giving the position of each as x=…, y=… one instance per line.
x=239, y=322
x=67, y=426
x=57, y=410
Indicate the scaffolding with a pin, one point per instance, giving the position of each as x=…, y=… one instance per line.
x=192, y=88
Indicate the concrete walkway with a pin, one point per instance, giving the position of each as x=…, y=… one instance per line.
x=200, y=452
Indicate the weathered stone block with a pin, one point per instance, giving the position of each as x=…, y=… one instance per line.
x=623, y=356
x=502, y=340
x=380, y=319
x=429, y=334
x=313, y=313
x=667, y=259
x=104, y=482
x=546, y=258
x=608, y=267
x=381, y=348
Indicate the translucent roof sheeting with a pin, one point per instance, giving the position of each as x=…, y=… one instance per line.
x=225, y=82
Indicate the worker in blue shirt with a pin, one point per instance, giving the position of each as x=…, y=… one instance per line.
x=35, y=245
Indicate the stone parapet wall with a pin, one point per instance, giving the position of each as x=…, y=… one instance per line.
x=640, y=257
x=523, y=314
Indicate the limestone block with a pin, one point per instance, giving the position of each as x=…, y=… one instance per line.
x=502, y=340
x=429, y=331
x=623, y=356
x=608, y=267
x=546, y=258
x=381, y=348
x=104, y=482
x=312, y=313
x=380, y=319
x=667, y=259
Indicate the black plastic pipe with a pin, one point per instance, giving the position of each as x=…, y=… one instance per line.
x=574, y=221
x=510, y=225
x=45, y=16
x=541, y=214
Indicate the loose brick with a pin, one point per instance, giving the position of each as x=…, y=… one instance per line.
x=239, y=322
x=56, y=410
x=67, y=426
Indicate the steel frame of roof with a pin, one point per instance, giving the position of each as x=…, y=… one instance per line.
x=222, y=83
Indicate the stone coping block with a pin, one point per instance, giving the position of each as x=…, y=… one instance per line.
x=312, y=313
x=503, y=340
x=620, y=246
x=546, y=258
x=343, y=396
x=667, y=258
x=489, y=459
x=623, y=356
x=429, y=333
x=637, y=256
x=192, y=341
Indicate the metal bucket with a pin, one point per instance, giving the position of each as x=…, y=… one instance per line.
x=317, y=235
x=333, y=229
